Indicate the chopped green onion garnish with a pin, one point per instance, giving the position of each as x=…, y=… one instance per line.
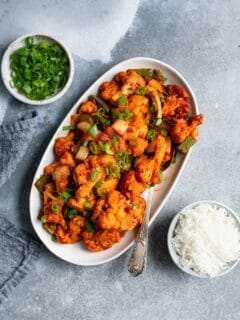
x=65, y=195
x=186, y=144
x=122, y=100
x=65, y=211
x=54, y=238
x=54, y=208
x=102, y=115
x=141, y=91
x=69, y=128
x=72, y=213
x=134, y=206
x=26, y=88
x=29, y=41
x=85, y=143
x=93, y=148
x=151, y=134
x=165, y=78
x=152, y=107
x=161, y=175
x=98, y=184
x=101, y=145
x=114, y=141
x=93, y=131
x=113, y=171
x=108, y=149
x=84, y=213
x=90, y=226
x=105, y=147
x=126, y=115
x=163, y=99
x=123, y=159
x=43, y=219
x=94, y=174
x=147, y=74
x=87, y=205
x=43, y=45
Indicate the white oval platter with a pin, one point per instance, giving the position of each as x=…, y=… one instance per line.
x=77, y=253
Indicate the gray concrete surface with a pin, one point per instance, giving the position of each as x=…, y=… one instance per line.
x=202, y=40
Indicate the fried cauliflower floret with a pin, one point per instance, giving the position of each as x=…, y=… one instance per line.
x=107, y=185
x=121, y=143
x=137, y=129
x=129, y=186
x=138, y=105
x=84, y=198
x=125, y=83
x=64, y=144
x=101, y=240
x=108, y=89
x=137, y=146
x=130, y=81
x=71, y=234
x=154, y=85
x=103, y=160
x=68, y=160
x=148, y=168
x=62, y=178
x=169, y=150
x=182, y=129
x=81, y=174
x=138, y=125
x=116, y=213
x=53, y=217
x=146, y=171
x=51, y=168
x=174, y=89
x=89, y=107
x=175, y=107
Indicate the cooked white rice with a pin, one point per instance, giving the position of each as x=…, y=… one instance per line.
x=207, y=239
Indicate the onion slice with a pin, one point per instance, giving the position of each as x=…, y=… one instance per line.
x=82, y=153
x=120, y=126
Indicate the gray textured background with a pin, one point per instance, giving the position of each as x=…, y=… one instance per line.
x=202, y=40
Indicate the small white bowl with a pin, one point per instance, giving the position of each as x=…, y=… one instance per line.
x=176, y=258
x=5, y=69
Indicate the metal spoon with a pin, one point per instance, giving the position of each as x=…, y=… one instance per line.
x=138, y=258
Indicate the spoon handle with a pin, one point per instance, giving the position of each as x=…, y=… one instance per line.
x=138, y=258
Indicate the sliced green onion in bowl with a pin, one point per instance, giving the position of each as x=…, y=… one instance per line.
x=37, y=69
x=40, y=69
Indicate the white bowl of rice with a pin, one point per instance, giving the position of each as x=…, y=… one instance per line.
x=204, y=239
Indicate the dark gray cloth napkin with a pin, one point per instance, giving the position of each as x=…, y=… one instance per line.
x=14, y=141
x=18, y=249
